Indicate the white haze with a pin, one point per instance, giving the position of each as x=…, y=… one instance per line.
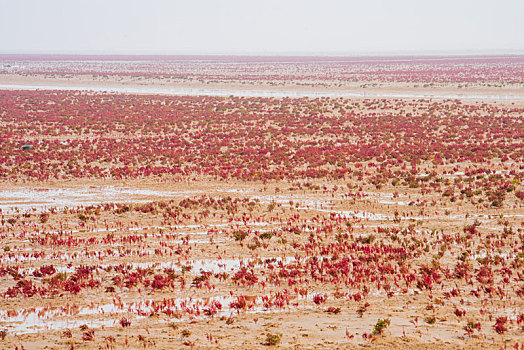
x=328, y=27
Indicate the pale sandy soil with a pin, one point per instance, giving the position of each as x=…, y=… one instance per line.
x=472, y=91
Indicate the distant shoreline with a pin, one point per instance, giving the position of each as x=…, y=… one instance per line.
x=408, y=58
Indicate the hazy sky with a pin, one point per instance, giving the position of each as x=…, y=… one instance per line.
x=261, y=27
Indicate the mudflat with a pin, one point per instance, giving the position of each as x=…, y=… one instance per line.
x=162, y=221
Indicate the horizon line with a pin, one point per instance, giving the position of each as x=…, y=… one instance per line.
x=279, y=56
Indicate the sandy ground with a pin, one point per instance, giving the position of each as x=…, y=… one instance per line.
x=469, y=91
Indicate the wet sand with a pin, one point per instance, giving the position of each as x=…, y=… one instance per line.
x=471, y=92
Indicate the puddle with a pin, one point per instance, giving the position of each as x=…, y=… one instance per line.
x=393, y=202
x=40, y=319
x=178, y=91
x=484, y=254
x=210, y=265
x=356, y=214
x=46, y=198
